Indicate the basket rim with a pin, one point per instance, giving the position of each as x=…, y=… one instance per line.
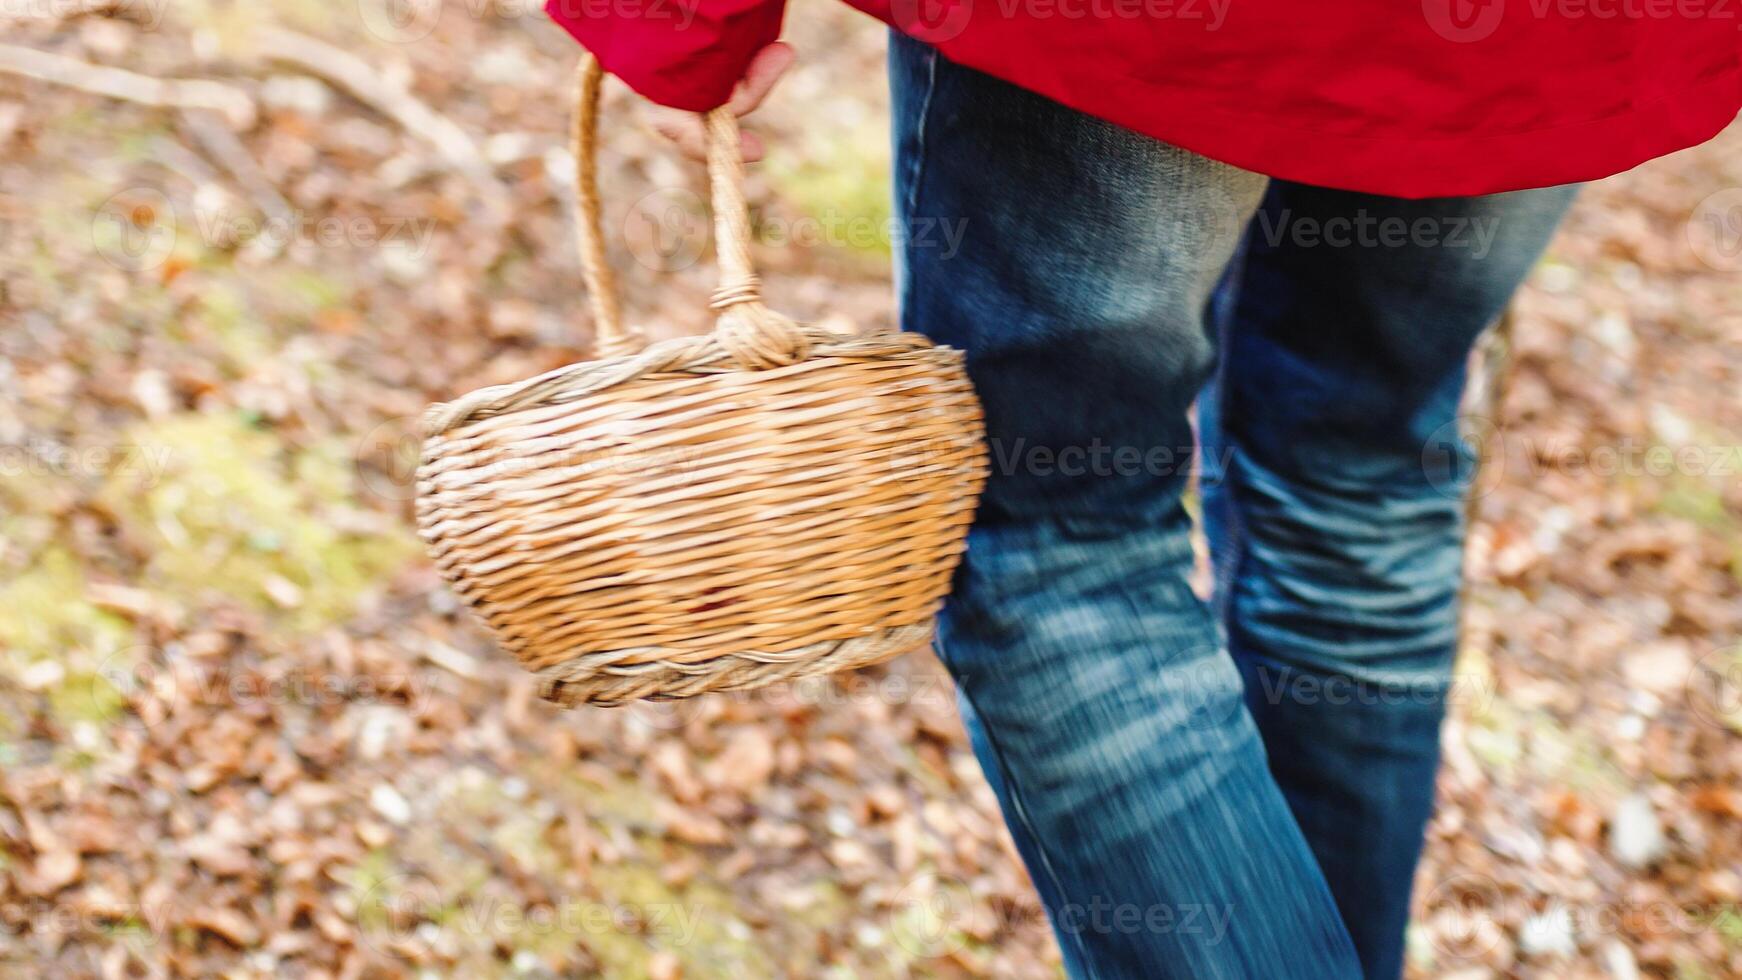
x=698, y=354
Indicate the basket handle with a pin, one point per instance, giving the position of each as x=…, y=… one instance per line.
x=754, y=335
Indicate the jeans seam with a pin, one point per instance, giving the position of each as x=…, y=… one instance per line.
x=917, y=172
x=1013, y=789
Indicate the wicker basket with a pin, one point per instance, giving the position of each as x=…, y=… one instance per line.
x=710, y=513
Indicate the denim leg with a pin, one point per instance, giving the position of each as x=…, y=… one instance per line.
x=1338, y=530
x=1071, y=259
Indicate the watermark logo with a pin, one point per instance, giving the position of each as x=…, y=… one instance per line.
x=1472, y=455
x=1275, y=687
x=134, y=229
x=1204, y=235
x=668, y=229
x=1714, y=688
x=1464, y=21
x=405, y=907
x=387, y=456
x=390, y=913
x=154, y=683
x=1462, y=912
x=1208, y=692
x=143, y=678
x=399, y=21
x=679, y=13
x=937, y=21
x=1715, y=230
x=925, y=916
x=1465, y=457
x=932, y=21
x=1096, y=458
x=1363, y=229
x=146, y=464
x=222, y=228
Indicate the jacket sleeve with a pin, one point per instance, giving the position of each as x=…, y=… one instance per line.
x=687, y=54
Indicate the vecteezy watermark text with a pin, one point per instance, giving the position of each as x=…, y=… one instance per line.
x=226, y=229
x=137, y=229
x=1366, y=230
x=45, y=458
x=1468, y=21
x=935, y=21
x=407, y=21
x=1019, y=456
x=929, y=916
x=669, y=229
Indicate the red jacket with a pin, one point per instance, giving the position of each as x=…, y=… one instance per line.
x=1414, y=98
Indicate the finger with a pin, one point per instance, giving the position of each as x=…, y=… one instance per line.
x=765, y=69
x=685, y=130
x=750, y=146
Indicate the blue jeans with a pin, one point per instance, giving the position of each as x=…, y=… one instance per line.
x=1200, y=790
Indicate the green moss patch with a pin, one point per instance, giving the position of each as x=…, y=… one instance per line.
x=235, y=514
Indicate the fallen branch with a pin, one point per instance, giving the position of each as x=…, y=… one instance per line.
x=65, y=10
x=355, y=76
x=223, y=146
x=118, y=83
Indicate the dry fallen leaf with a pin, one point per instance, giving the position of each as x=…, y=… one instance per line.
x=55, y=870
x=746, y=765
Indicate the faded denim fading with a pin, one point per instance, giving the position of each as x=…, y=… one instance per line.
x=1200, y=790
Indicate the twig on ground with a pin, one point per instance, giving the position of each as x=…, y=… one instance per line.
x=355, y=76
x=65, y=10
x=224, y=148
x=169, y=152
x=117, y=83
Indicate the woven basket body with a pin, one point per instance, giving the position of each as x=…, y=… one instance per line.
x=718, y=512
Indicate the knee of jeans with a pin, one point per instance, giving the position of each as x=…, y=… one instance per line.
x=1094, y=670
x=1116, y=730
x=1354, y=582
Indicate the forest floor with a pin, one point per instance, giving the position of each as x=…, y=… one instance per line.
x=245, y=731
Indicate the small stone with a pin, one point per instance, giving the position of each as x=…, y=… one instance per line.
x=373, y=834
x=282, y=591
x=670, y=762
x=1548, y=934
x=227, y=923
x=42, y=675
x=218, y=855
x=1635, y=833
x=1630, y=728
x=1619, y=962
x=388, y=802
x=56, y=870
x=297, y=93
x=850, y=855
x=1659, y=668
x=153, y=393
x=746, y=765
x=691, y=825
